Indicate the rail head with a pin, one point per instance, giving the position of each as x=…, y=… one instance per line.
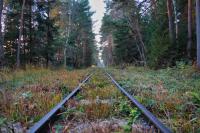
x=147, y=113
x=43, y=123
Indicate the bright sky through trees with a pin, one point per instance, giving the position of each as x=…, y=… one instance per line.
x=99, y=7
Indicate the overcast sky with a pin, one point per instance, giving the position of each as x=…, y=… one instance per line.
x=99, y=7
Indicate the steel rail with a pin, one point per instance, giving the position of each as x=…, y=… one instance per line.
x=41, y=126
x=147, y=113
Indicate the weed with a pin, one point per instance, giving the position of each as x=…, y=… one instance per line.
x=180, y=64
x=127, y=128
x=124, y=107
x=171, y=94
x=33, y=92
x=195, y=97
x=133, y=116
x=2, y=121
x=64, y=90
x=79, y=96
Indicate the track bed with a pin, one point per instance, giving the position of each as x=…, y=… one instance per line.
x=100, y=107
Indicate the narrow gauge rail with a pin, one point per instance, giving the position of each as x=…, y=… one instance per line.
x=42, y=125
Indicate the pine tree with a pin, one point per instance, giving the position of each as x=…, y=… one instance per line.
x=21, y=38
x=198, y=31
x=189, y=44
x=1, y=36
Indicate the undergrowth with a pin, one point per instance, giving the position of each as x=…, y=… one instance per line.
x=172, y=94
x=98, y=100
x=30, y=94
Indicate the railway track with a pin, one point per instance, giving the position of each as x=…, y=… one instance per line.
x=97, y=106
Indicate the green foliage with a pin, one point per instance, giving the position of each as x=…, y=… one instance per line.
x=79, y=96
x=45, y=33
x=195, y=97
x=107, y=26
x=58, y=127
x=21, y=78
x=175, y=91
x=124, y=107
x=133, y=116
x=127, y=128
x=2, y=121
x=125, y=50
x=131, y=26
x=180, y=64
x=81, y=38
x=42, y=37
x=65, y=90
x=158, y=48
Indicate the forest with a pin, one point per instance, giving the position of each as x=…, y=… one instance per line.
x=154, y=33
x=150, y=47
x=40, y=33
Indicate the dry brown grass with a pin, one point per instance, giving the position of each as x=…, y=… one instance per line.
x=28, y=102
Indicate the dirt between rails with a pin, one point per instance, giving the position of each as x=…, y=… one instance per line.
x=100, y=108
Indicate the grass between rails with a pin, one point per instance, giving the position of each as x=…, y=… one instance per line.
x=172, y=94
x=99, y=108
x=32, y=93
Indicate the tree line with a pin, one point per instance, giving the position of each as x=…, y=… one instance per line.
x=46, y=32
x=157, y=33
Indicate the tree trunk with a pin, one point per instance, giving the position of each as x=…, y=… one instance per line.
x=154, y=8
x=48, y=35
x=47, y=59
x=64, y=56
x=135, y=28
x=198, y=31
x=171, y=21
x=68, y=33
x=1, y=36
x=24, y=46
x=110, y=49
x=176, y=17
x=189, y=44
x=143, y=49
x=84, y=54
x=30, y=33
x=20, y=34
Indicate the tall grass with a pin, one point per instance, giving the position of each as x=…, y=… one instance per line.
x=29, y=94
x=171, y=94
